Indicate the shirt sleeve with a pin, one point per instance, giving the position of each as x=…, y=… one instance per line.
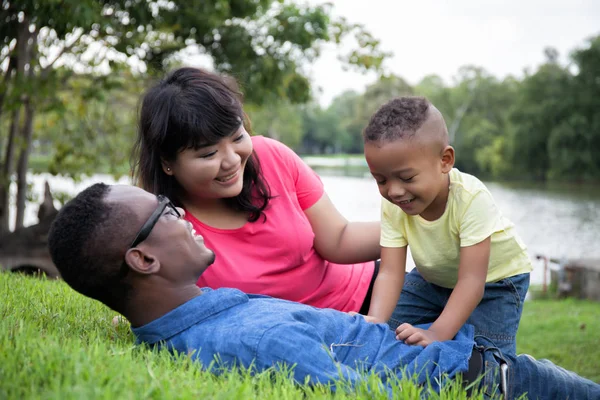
x=480, y=220
x=297, y=347
x=308, y=185
x=391, y=232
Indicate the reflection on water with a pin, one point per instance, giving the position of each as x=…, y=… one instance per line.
x=555, y=220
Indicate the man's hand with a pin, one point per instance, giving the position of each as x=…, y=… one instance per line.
x=418, y=336
x=367, y=318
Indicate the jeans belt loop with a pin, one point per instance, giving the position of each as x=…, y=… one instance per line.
x=503, y=367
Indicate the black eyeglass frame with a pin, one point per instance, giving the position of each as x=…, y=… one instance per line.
x=144, y=232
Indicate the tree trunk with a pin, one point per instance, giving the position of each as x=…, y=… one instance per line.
x=26, y=134
x=23, y=164
x=7, y=170
x=3, y=91
x=20, y=59
x=460, y=113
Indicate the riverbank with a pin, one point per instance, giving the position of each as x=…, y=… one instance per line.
x=54, y=343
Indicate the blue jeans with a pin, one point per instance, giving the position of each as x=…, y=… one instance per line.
x=538, y=379
x=496, y=318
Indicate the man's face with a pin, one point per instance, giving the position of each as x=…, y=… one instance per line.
x=180, y=251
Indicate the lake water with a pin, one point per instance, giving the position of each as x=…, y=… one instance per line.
x=557, y=221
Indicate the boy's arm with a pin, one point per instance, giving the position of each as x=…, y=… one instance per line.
x=465, y=297
x=467, y=293
x=388, y=284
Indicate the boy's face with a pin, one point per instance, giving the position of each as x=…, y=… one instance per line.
x=412, y=174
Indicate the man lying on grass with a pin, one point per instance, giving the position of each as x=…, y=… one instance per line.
x=132, y=251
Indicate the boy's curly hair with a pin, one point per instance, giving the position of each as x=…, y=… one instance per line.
x=87, y=243
x=397, y=119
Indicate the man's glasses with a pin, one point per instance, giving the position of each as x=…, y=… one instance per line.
x=163, y=203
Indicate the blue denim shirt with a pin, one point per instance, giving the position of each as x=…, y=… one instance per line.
x=322, y=345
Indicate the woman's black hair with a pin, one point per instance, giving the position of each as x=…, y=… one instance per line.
x=191, y=108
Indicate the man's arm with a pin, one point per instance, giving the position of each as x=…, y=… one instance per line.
x=298, y=346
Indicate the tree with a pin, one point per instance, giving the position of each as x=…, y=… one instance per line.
x=383, y=90
x=543, y=102
x=586, y=85
x=570, y=151
x=435, y=90
x=281, y=121
x=89, y=122
x=344, y=108
x=478, y=115
x=263, y=43
x=321, y=130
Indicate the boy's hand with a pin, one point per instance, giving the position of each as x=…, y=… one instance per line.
x=418, y=336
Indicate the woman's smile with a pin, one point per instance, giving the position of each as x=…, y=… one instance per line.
x=229, y=179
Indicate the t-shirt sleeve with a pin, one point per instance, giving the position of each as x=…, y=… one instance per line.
x=480, y=219
x=308, y=185
x=391, y=232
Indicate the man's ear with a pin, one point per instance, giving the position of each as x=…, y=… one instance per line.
x=447, y=159
x=142, y=262
x=166, y=167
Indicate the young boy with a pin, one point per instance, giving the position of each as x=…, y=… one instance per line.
x=470, y=264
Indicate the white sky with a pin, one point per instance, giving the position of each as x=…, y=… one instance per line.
x=437, y=37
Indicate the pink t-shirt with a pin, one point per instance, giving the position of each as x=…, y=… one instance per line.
x=277, y=257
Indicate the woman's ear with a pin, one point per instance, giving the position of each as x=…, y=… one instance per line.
x=141, y=262
x=166, y=167
x=447, y=159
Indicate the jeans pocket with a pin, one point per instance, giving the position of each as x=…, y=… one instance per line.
x=517, y=286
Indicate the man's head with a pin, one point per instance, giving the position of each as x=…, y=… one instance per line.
x=406, y=148
x=112, y=242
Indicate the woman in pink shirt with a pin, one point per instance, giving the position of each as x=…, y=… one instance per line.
x=256, y=203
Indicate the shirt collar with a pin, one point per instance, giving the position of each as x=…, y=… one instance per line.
x=209, y=303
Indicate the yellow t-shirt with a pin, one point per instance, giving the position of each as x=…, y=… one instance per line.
x=471, y=216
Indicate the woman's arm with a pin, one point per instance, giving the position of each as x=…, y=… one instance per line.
x=338, y=240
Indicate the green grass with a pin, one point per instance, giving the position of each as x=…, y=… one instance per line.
x=57, y=344
x=564, y=331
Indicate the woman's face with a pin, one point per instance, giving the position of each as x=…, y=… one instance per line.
x=213, y=172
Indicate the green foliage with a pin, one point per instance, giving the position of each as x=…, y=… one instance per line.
x=92, y=130
x=543, y=127
x=542, y=104
x=43, y=44
x=281, y=121
x=570, y=150
x=54, y=343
